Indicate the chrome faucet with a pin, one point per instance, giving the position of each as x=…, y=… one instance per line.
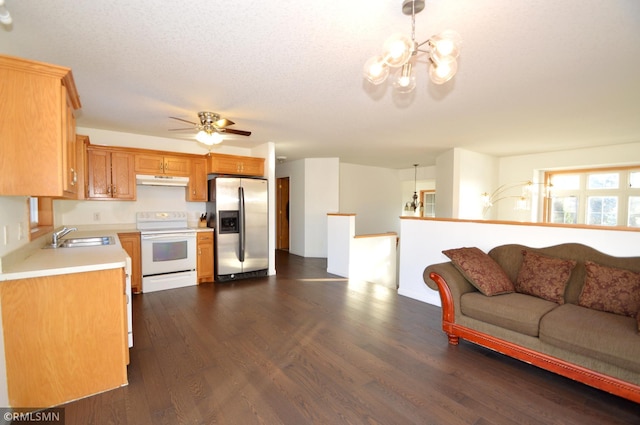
x=55, y=238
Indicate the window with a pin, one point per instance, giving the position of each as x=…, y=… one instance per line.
x=601, y=197
x=428, y=203
x=40, y=216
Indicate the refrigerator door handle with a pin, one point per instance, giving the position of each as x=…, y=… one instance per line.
x=241, y=212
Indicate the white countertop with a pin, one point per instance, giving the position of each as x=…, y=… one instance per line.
x=48, y=262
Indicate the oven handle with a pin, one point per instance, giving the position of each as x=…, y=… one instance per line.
x=169, y=237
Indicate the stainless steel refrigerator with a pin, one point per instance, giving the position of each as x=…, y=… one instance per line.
x=238, y=212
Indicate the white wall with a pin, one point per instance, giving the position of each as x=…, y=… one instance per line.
x=14, y=215
x=313, y=192
x=322, y=194
x=422, y=242
x=374, y=195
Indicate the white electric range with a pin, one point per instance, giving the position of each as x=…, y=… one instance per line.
x=168, y=250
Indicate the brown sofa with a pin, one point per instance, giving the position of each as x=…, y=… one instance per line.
x=598, y=348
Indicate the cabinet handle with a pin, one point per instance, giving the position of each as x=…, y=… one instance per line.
x=166, y=166
x=108, y=188
x=74, y=177
x=114, y=190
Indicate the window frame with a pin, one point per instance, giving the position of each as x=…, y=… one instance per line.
x=624, y=192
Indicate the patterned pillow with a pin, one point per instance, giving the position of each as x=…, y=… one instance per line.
x=544, y=277
x=481, y=270
x=610, y=289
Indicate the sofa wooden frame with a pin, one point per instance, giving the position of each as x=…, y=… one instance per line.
x=581, y=374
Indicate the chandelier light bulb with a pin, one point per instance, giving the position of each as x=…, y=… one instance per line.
x=406, y=81
x=446, y=46
x=442, y=72
x=397, y=50
x=375, y=70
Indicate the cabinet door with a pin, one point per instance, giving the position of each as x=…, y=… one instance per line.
x=236, y=165
x=149, y=164
x=69, y=151
x=197, y=190
x=131, y=243
x=65, y=336
x=122, y=176
x=253, y=166
x=99, y=174
x=204, y=264
x=177, y=166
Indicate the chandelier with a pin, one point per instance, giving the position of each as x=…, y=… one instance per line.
x=414, y=205
x=400, y=51
x=523, y=200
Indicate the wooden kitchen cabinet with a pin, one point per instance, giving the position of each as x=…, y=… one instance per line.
x=131, y=244
x=204, y=266
x=110, y=174
x=197, y=189
x=38, y=148
x=162, y=164
x=236, y=165
x=65, y=336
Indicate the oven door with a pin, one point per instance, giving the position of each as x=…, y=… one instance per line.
x=168, y=253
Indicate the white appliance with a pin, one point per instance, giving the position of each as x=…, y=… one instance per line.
x=168, y=250
x=151, y=180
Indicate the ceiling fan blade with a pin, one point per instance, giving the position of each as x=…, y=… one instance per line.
x=223, y=122
x=240, y=132
x=181, y=129
x=188, y=122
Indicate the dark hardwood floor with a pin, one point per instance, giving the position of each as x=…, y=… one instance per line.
x=306, y=347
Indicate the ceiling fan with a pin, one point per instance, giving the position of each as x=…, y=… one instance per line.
x=211, y=128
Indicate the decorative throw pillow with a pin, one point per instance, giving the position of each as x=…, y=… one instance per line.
x=544, y=277
x=610, y=289
x=481, y=270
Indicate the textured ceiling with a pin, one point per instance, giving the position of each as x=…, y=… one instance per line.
x=533, y=76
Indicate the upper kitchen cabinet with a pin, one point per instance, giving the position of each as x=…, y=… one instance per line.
x=162, y=164
x=236, y=165
x=197, y=189
x=37, y=129
x=110, y=174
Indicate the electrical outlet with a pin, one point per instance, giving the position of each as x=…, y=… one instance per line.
x=20, y=232
x=96, y=216
x=5, y=234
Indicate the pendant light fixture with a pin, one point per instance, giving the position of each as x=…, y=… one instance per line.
x=399, y=51
x=414, y=205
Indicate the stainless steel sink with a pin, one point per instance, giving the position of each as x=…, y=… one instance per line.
x=85, y=242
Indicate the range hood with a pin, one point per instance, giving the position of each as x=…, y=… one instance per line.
x=150, y=180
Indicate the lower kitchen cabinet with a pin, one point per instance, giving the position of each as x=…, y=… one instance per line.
x=131, y=243
x=205, y=257
x=65, y=336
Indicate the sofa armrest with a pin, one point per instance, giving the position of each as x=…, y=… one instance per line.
x=451, y=285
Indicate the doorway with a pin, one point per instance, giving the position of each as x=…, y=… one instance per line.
x=282, y=222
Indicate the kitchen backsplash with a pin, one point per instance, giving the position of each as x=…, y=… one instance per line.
x=149, y=198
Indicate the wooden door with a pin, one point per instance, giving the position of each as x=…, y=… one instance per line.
x=282, y=224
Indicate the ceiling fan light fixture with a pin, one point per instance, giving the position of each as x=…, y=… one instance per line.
x=209, y=138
